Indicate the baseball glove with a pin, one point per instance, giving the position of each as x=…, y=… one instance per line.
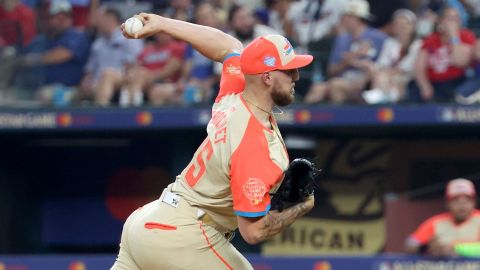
x=298, y=184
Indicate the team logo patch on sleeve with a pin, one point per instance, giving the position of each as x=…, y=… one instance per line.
x=233, y=70
x=254, y=190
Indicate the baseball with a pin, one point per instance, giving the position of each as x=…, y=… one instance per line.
x=133, y=25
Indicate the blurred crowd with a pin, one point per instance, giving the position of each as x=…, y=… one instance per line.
x=72, y=52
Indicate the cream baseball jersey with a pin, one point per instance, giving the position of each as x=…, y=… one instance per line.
x=444, y=229
x=239, y=163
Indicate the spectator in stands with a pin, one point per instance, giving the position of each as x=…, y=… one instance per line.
x=62, y=51
x=249, y=4
x=205, y=14
x=383, y=11
x=274, y=14
x=156, y=73
x=352, y=59
x=441, y=233
x=473, y=7
x=263, y=13
x=469, y=92
x=82, y=11
x=443, y=59
x=181, y=10
x=17, y=29
x=221, y=9
x=198, y=78
x=110, y=55
x=17, y=24
x=394, y=67
x=428, y=11
x=462, y=12
x=243, y=25
x=314, y=20
x=313, y=26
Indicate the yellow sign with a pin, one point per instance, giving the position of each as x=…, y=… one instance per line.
x=313, y=236
x=348, y=215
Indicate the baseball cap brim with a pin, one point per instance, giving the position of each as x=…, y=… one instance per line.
x=298, y=62
x=454, y=194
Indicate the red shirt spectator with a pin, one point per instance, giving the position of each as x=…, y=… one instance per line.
x=17, y=24
x=439, y=67
x=155, y=57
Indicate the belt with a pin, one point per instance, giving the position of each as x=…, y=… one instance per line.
x=175, y=200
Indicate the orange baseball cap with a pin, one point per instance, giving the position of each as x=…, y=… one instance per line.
x=269, y=53
x=459, y=187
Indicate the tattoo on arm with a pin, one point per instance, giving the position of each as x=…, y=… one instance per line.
x=275, y=222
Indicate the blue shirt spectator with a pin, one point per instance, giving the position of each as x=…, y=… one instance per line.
x=68, y=73
x=202, y=67
x=352, y=59
x=58, y=55
x=370, y=42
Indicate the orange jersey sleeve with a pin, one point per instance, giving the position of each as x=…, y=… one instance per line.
x=232, y=80
x=253, y=173
x=425, y=232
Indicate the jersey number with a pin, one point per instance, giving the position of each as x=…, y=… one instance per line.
x=197, y=168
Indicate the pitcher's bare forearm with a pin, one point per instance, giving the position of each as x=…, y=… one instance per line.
x=275, y=222
x=211, y=42
x=256, y=230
